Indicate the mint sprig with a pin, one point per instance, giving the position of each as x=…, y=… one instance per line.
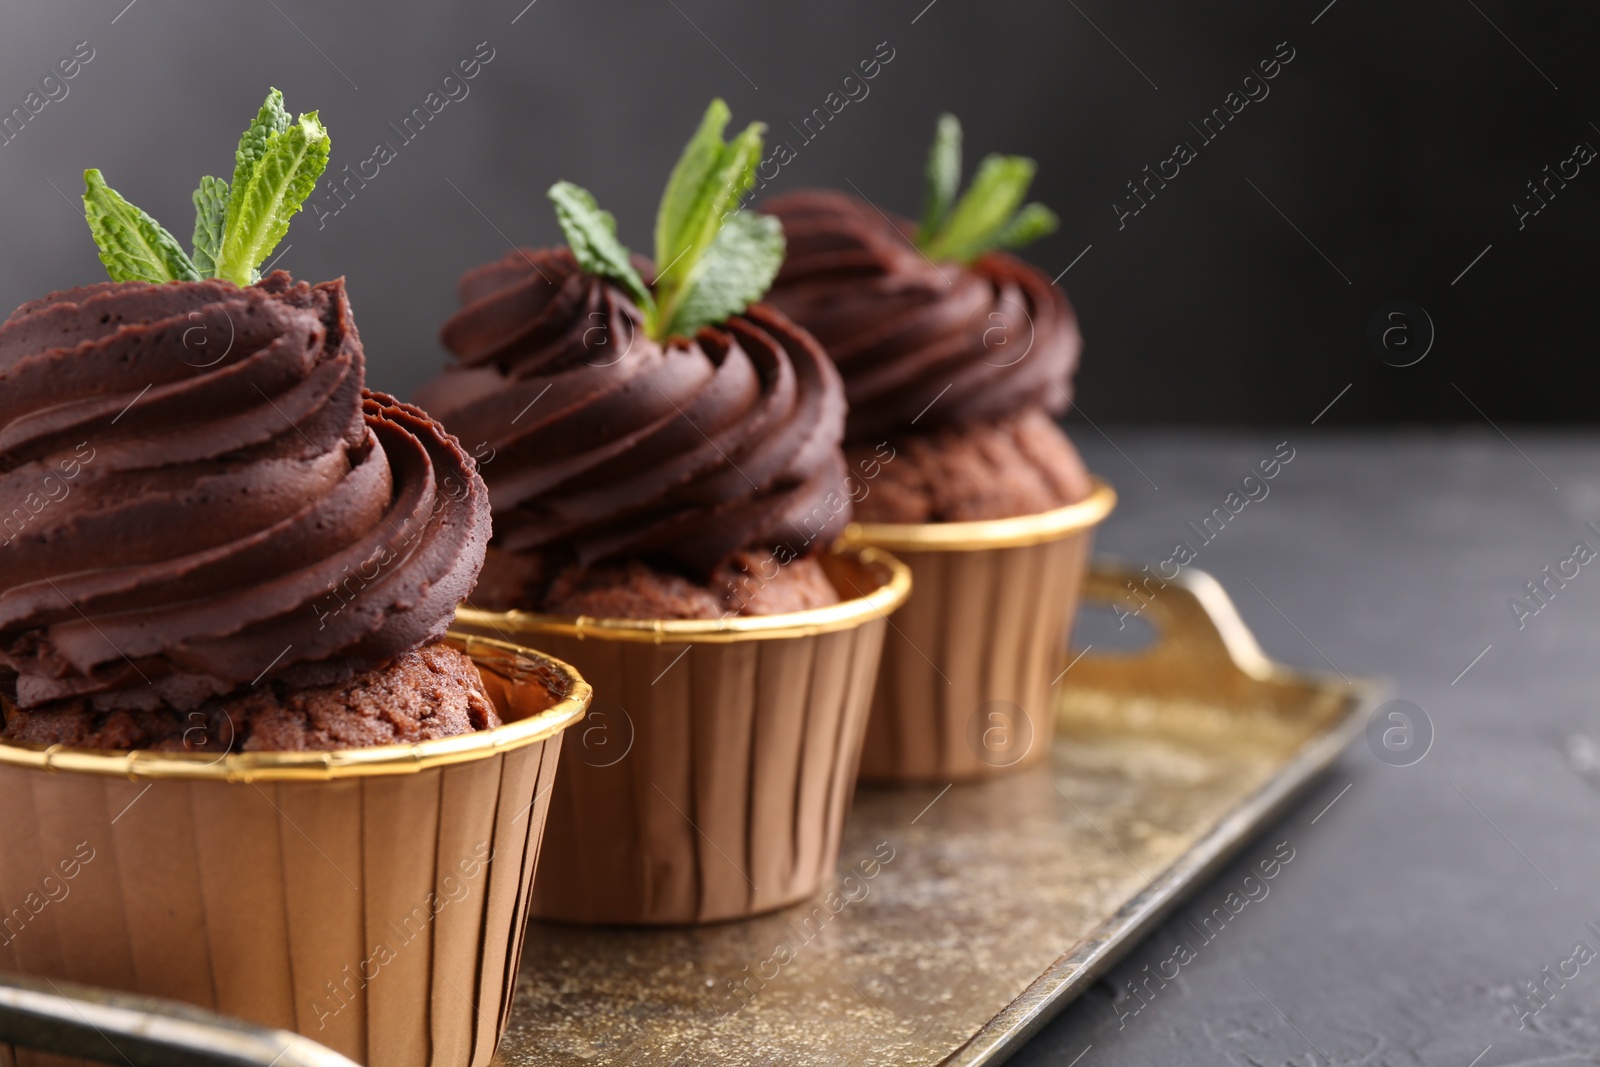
x=236, y=227
x=713, y=259
x=943, y=175
x=270, y=120
x=706, y=185
x=259, y=211
x=592, y=234
x=1026, y=226
x=133, y=246
x=989, y=215
x=736, y=271
x=210, y=215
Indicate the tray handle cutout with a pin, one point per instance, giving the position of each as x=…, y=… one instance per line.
x=1201, y=647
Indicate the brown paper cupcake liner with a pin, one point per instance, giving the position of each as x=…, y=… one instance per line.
x=964, y=690
x=713, y=774
x=371, y=899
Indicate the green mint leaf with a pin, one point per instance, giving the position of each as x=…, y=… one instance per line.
x=943, y=176
x=711, y=260
x=210, y=212
x=277, y=185
x=592, y=235
x=271, y=119
x=993, y=197
x=694, y=213
x=739, y=162
x=1027, y=226
x=735, y=271
x=133, y=246
x=681, y=200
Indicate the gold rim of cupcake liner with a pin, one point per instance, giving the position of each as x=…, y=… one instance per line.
x=987, y=533
x=889, y=595
x=503, y=657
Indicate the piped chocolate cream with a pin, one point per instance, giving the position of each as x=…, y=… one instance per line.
x=921, y=345
x=609, y=446
x=239, y=510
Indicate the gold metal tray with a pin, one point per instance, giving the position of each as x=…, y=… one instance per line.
x=964, y=917
x=967, y=916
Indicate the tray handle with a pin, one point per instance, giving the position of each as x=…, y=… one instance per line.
x=121, y=1028
x=1200, y=639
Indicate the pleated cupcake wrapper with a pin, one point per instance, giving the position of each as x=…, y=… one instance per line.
x=965, y=690
x=378, y=912
x=713, y=775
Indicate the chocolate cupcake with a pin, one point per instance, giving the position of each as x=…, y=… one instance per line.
x=224, y=665
x=692, y=476
x=954, y=353
x=248, y=551
x=666, y=477
x=956, y=358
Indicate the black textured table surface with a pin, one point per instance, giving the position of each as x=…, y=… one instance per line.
x=1427, y=901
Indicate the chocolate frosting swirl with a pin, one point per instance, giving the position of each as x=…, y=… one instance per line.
x=608, y=444
x=920, y=345
x=198, y=494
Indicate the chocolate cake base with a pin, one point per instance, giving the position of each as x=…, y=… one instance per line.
x=432, y=692
x=1019, y=465
x=753, y=582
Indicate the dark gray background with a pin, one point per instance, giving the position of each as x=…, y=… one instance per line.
x=1396, y=142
